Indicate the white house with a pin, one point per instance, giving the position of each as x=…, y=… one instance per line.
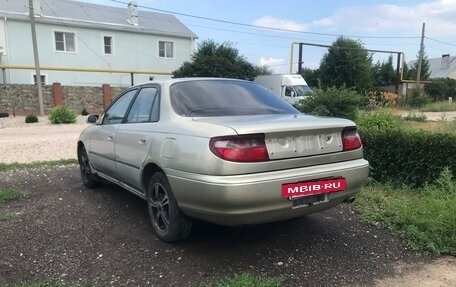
x=87, y=44
x=444, y=67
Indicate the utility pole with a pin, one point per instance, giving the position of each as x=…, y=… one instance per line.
x=35, y=55
x=420, y=58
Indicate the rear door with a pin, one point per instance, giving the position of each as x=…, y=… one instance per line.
x=134, y=136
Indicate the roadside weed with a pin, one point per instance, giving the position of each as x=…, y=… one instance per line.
x=9, y=194
x=5, y=216
x=247, y=280
x=48, y=283
x=424, y=218
x=36, y=164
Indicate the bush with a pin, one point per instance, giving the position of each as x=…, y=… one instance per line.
x=4, y=115
x=414, y=116
x=62, y=115
x=31, y=119
x=380, y=99
x=414, y=99
x=332, y=102
x=408, y=156
x=84, y=112
x=378, y=120
x=440, y=89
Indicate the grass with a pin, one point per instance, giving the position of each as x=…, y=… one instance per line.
x=47, y=283
x=439, y=126
x=243, y=280
x=9, y=194
x=5, y=216
x=438, y=107
x=247, y=280
x=36, y=164
x=425, y=219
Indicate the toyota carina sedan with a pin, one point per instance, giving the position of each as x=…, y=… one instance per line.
x=221, y=150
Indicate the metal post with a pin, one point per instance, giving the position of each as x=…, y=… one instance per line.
x=35, y=55
x=420, y=59
x=398, y=73
x=300, y=58
x=4, y=76
x=132, y=79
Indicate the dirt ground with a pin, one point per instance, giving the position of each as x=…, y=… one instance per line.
x=62, y=230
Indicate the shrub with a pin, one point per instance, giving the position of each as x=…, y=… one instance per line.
x=414, y=99
x=4, y=115
x=414, y=116
x=62, y=115
x=333, y=102
x=378, y=120
x=441, y=88
x=380, y=99
x=31, y=119
x=84, y=112
x=408, y=156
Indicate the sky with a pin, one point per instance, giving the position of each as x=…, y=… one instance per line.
x=379, y=25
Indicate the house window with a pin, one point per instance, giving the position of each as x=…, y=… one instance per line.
x=43, y=79
x=107, y=43
x=65, y=42
x=165, y=49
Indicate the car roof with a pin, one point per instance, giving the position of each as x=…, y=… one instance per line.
x=179, y=80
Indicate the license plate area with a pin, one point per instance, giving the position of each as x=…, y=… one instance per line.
x=308, y=201
x=314, y=187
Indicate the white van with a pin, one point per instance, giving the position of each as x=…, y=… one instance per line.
x=290, y=88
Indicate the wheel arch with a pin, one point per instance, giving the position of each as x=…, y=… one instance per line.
x=149, y=170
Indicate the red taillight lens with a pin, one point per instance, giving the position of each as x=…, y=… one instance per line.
x=351, y=139
x=244, y=148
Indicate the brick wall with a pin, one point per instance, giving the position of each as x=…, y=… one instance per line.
x=23, y=99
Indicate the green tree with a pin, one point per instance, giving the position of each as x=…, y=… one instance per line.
x=212, y=59
x=441, y=88
x=347, y=63
x=425, y=70
x=312, y=77
x=383, y=73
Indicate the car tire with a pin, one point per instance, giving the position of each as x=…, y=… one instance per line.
x=169, y=222
x=90, y=179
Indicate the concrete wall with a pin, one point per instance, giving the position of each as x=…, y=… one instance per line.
x=23, y=99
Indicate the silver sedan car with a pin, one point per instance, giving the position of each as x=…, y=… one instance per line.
x=221, y=150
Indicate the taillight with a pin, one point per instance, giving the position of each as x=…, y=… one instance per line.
x=243, y=148
x=351, y=139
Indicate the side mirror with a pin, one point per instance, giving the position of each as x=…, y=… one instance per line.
x=92, y=119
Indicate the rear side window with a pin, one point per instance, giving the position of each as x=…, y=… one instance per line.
x=211, y=98
x=142, y=109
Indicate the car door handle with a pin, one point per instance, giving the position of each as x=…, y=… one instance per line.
x=110, y=138
x=143, y=141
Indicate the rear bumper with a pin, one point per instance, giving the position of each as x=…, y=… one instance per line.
x=256, y=198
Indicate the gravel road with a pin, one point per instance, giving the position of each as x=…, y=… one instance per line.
x=63, y=231
x=20, y=142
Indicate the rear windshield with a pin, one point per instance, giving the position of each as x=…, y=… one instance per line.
x=212, y=98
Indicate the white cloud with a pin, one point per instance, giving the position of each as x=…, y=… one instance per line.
x=387, y=18
x=277, y=65
x=271, y=22
x=271, y=61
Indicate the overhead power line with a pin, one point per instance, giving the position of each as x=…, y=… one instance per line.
x=262, y=27
x=442, y=42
